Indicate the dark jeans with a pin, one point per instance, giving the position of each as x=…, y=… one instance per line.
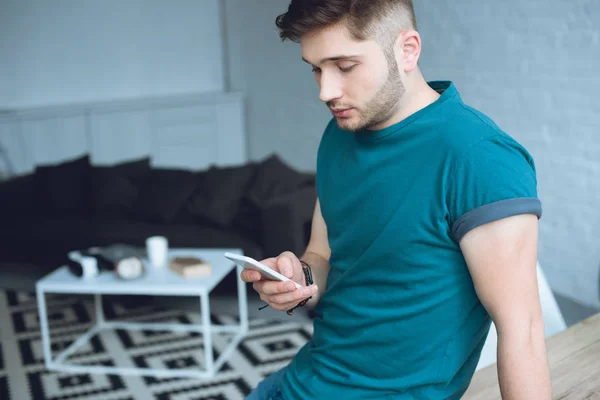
x=269, y=388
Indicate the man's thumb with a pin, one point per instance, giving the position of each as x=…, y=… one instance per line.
x=285, y=266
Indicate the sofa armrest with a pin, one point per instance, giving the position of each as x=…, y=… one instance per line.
x=286, y=222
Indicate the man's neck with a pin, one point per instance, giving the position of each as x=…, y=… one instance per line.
x=418, y=95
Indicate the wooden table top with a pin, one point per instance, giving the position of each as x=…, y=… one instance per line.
x=574, y=359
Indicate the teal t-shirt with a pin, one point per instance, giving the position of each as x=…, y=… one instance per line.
x=400, y=318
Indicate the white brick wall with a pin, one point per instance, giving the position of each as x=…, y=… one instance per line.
x=533, y=66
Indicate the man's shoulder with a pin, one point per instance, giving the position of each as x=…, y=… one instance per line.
x=469, y=127
x=474, y=141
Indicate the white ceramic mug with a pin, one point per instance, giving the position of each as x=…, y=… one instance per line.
x=157, y=248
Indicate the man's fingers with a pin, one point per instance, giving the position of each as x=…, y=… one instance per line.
x=249, y=275
x=285, y=264
x=270, y=262
x=292, y=297
x=280, y=295
x=273, y=287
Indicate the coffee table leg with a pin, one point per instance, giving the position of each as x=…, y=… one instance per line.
x=242, y=302
x=99, y=310
x=44, y=327
x=206, y=332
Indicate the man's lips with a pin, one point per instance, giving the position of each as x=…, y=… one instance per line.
x=341, y=112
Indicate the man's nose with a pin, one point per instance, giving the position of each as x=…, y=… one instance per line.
x=330, y=88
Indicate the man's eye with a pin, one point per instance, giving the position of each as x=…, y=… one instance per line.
x=316, y=69
x=347, y=69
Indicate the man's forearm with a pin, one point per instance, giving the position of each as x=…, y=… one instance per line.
x=319, y=267
x=523, y=370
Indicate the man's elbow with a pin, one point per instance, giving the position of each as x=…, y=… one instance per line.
x=525, y=328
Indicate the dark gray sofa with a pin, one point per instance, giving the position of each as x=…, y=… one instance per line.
x=262, y=207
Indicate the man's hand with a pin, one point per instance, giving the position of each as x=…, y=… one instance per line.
x=281, y=295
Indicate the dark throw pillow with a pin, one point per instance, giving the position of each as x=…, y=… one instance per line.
x=247, y=220
x=218, y=200
x=184, y=215
x=138, y=171
x=116, y=188
x=17, y=196
x=274, y=178
x=64, y=189
x=164, y=193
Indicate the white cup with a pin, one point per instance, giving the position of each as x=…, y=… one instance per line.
x=157, y=248
x=90, y=267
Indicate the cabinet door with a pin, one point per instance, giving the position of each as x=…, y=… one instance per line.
x=232, y=146
x=118, y=136
x=198, y=136
x=53, y=139
x=13, y=158
x=185, y=137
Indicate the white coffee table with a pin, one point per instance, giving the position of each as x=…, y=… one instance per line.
x=160, y=281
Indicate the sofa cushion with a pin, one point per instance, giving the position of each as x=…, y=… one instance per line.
x=50, y=228
x=184, y=215
x=48, y=239
x=219, y=199
x=274, y=178
x=64, y=189
x=17, y=196
x=44, y=239
x=114, y=195
x=247, y=220
x=116, y=188
x=164, y=194
x=138, y=171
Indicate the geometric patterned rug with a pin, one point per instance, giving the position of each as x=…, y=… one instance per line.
x=269, y=346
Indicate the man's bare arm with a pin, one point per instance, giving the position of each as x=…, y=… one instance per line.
x=317, y=254
x=501, y=257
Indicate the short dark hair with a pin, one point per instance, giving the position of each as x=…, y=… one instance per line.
x=377, y=19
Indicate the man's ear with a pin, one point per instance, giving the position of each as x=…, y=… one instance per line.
x=408, y=49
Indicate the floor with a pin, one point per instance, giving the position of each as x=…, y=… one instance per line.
x=267, y=347
x=274, y=338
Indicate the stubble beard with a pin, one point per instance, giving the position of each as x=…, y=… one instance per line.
x=382, y=106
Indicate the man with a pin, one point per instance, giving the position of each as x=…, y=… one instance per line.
x=424, y=230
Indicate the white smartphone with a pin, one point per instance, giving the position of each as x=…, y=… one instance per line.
x=266, y=272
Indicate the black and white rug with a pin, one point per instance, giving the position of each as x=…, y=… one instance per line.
x=269, y=346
